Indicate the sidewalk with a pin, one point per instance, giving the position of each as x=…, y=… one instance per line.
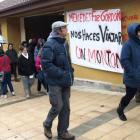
x=93, y=116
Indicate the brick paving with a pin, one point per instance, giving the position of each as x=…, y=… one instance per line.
x=93, y=116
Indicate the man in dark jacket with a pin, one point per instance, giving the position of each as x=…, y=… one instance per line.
x=56, y=64
x=31, y=48
x=13, y=57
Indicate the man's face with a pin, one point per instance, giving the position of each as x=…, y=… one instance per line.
x=43, y=41
x=63, y=32
x=25, y=44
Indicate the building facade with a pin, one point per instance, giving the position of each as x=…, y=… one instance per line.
x=25, y=19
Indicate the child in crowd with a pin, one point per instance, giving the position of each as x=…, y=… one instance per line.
x=37, y=48
x=38, y=68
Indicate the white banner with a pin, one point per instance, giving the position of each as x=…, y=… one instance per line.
x=96, y=39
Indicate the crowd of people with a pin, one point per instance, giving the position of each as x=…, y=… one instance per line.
x=55, y=72
x=28, y=63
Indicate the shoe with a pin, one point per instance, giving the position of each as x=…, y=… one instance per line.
x=5, y=97
x=16, y=80
x=66, y=136
x=47, y=92
x=47, y=132
x=2, y=96
x=27, y=92
x=137, y=101
x=13, y=93
x=38, y=92
x=27, y=96
x=120, y=112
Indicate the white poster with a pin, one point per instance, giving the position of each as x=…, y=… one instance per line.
x=96, y=39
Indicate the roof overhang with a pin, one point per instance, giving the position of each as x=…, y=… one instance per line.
x=31, y=6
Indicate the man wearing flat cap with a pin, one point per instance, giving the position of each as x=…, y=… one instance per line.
x=56, y=64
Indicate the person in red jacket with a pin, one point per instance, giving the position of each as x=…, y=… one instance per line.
x=7, y=75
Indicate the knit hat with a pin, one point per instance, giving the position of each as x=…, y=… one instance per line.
x=39, y=40
x=137, y=29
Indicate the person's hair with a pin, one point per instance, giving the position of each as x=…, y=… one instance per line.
x=22, y=48
x=55, y=30
x=23, y=42
x=38, y=46
x=1, y=51
x=39, y=53
x=9, y=45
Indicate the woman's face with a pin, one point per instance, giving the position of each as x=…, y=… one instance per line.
x=25, y=51
x=10, y=47
x=40, y=43
x=138, y=34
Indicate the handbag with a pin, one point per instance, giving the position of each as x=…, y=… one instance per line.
x=2, y=73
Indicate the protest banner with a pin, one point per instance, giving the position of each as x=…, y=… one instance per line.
x=96, y=38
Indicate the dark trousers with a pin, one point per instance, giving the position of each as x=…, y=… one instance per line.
x=130, y=93
x=39, y=85
x=13, y=69
x=59, y=99
x=7, y=81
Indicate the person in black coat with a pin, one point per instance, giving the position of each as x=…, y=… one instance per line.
x=26, y=70
x=32, y=46
x=12, y=54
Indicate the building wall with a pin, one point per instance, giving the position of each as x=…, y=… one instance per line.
x=130, y=14
x=3, y=24
x=13, y=32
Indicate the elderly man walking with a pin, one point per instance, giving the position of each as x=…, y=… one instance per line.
x=56, y=64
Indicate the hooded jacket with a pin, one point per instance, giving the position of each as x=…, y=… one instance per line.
x=130, y=58
x=12, y=54
x=7, y=64
x=55, y=61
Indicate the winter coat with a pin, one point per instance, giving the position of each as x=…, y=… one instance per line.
x=7, y=64
x=37, y=64
x=31, y=48
x=12, y=54
x=56, y=63
x=36, y=52
x=26, y=66
x=130, y=58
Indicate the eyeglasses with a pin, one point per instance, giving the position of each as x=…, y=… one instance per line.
x=64, y=27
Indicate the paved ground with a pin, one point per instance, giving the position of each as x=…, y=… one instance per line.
x=93, y=116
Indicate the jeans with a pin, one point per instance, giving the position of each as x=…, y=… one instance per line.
x=130, y=93
x=7, y=81
x=27, y=81
x=59, y=99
